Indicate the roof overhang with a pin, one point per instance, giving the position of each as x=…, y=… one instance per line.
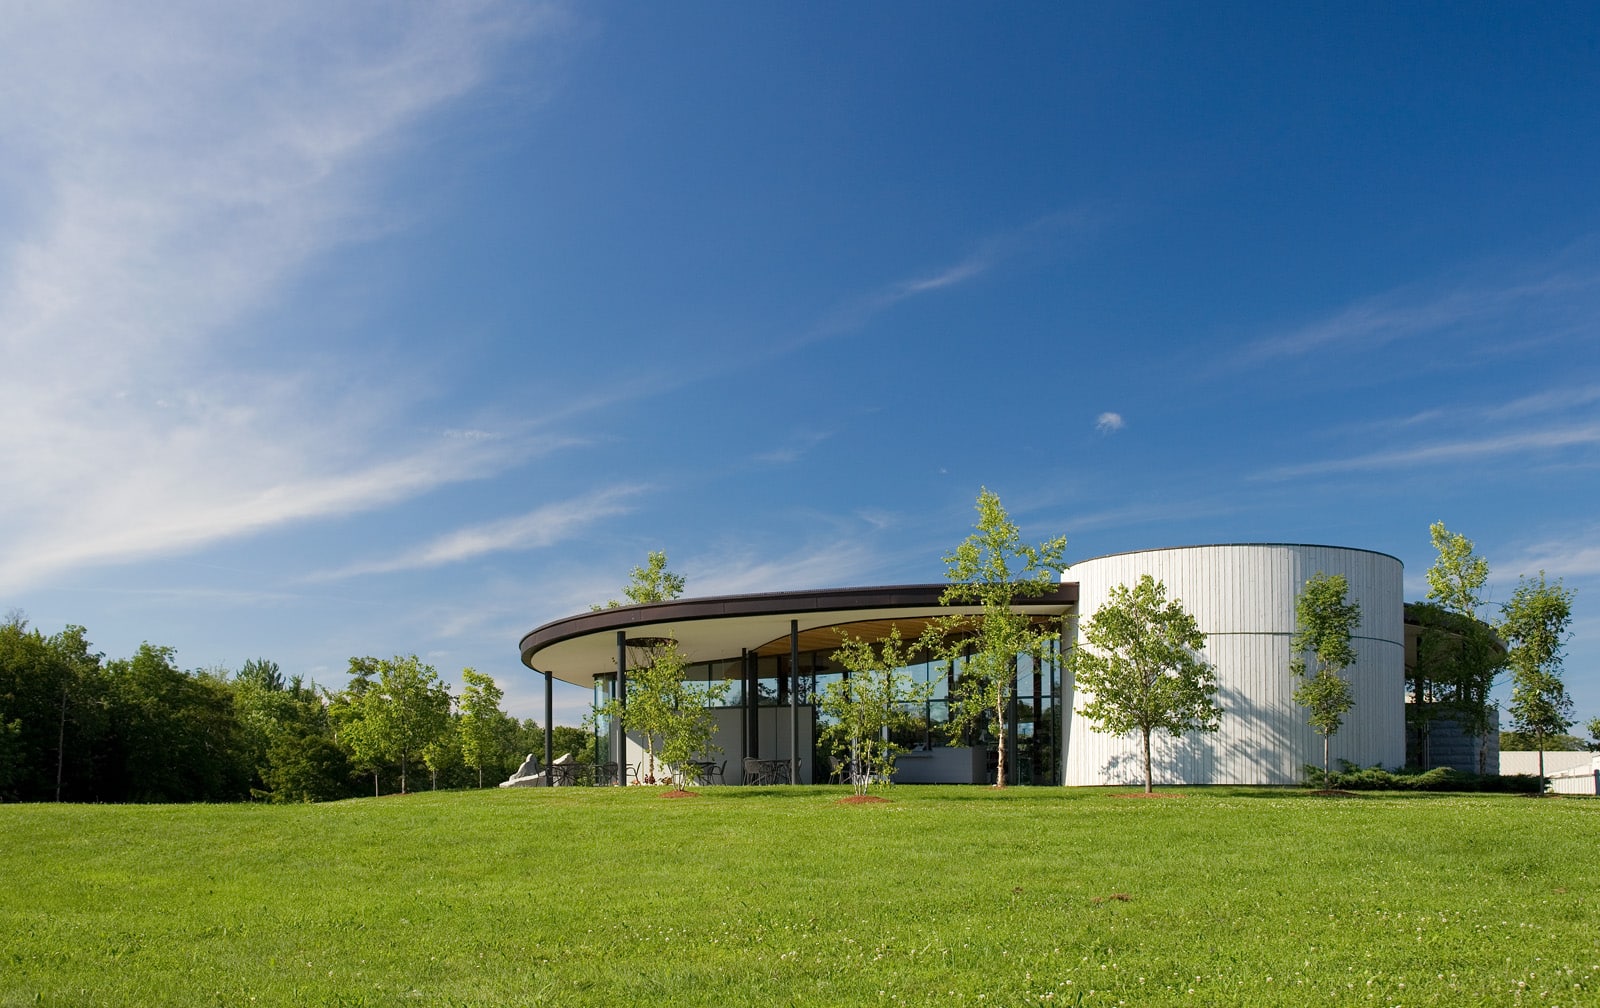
x=578, y=648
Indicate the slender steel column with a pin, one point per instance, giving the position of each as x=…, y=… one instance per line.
x=619, y=730
x=752, y=706
x=747, y=736
x=794, y=701
x=549, y=718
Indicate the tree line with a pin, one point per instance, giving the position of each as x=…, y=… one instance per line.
x=76, y=726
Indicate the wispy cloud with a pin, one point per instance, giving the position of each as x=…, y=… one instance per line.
x=984, y=258
x=178, y=168
x=1446, y=451
x=1108, y=423
x=1575, y=556
x=798, y=447
x=1548, y=401
x=1552, y=303
x=828, y=565
x=540, y=527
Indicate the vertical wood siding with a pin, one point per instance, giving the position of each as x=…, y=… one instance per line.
x=1243, y=597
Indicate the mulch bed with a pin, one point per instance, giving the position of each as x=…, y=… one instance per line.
x=679, y=793
x=862, y=799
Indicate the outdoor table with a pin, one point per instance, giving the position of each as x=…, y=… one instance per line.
x=773, y=771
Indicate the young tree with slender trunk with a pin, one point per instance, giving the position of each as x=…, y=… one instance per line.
x=993, y=569
x=1139, y=659
x=669, y=714
x=1457, y=654
x=867, y=705
x=653, y=582
x=1534, y=625
x=1324, y=622
x=392, y=711
x=482, y=722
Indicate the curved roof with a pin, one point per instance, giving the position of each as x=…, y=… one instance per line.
x=577, y=648
x=1165, y=549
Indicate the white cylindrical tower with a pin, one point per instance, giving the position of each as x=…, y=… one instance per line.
x=1243, y=597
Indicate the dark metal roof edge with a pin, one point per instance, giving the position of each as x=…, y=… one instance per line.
x=759, y=604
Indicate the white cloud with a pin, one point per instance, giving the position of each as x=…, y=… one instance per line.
x=1557, y=303
x=540, y=527
x=1108, y=423
x=1449, y=451
x=828, y=566
x=169, y=170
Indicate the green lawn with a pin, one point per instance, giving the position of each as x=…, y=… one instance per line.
x=954, y=896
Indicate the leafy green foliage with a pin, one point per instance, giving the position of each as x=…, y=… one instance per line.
x=484, y=731
x=1458, y=656
x=394, y=709
x=863, y=709
x=1516, y=741
x=1534, y=625
x=171, y=735
x=1139, y=659
x=1324, y=621
x=653, y=582
x=1350, y=777
x=670, y=715
x=992, y=568
x=53, y=713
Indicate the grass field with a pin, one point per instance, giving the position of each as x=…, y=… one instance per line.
x=741, y=896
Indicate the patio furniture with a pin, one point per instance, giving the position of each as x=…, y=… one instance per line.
x=698, y=771
x=766, y=771
x=566, y=774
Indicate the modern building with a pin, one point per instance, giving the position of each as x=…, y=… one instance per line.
x=772, y=652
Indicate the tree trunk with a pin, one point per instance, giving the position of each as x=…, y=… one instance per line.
x=374, y=783
x=1326, y=767
x=1541, y=764
x=1000, y=764
x=61, y=739
x=1149, y=786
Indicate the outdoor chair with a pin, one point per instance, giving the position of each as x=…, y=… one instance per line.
x=754, y=772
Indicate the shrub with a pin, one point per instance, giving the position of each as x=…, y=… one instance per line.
x=1350, y=777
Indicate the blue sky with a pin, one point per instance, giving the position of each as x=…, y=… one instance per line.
x=407, y=328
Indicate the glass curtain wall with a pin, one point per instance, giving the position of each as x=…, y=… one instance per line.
x=1035, y=732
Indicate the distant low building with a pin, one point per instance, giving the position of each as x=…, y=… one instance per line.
x=1575, y=773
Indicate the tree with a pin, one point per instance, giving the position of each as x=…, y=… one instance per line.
x=1534, y=626
x=1139, y=658
x=483, y=725
x=392, y=710
x=992, y=568
x=443, y=752
x=1324, y=621
x=669, y=714
x=1593, y=728
x=52, y=713
x=1457, y=654
x=1516, y=741
x=651, y=583
x=173, y=736
x=870, y=702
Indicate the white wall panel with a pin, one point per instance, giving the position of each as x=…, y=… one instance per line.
x=1243, y=597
